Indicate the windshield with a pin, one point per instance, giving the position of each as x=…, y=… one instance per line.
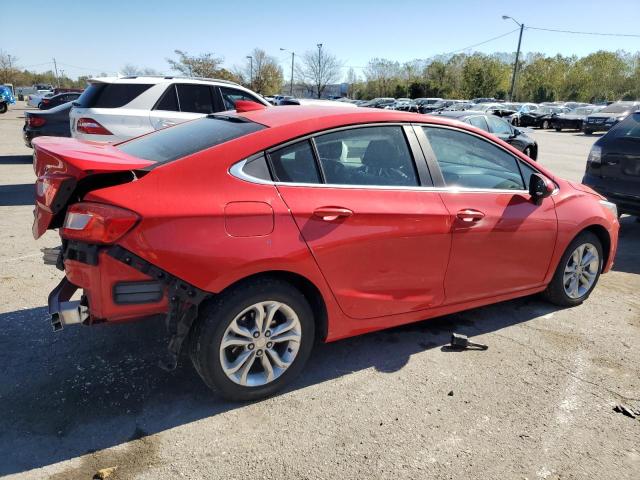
x=176, y=142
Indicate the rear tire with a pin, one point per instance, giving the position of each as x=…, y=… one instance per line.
x=578, y=271
x=269, y=330
x=587, y=131
x=3, y=107
x=558, y=129
x=545, y=125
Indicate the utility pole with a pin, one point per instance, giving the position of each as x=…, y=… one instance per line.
x=515, y=64
x=319, y=67
x=293, y=56
x=55, y=66
x=250, y=70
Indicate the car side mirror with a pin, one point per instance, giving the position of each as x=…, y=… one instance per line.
x=516, y=132
x=540, y=188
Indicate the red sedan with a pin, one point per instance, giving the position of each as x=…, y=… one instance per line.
x=255, y=233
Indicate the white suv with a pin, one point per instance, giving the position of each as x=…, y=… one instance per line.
x=116, y=109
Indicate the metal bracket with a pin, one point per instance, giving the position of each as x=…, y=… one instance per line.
x=184, y=300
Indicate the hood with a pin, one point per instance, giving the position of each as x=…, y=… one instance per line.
x=585, y=189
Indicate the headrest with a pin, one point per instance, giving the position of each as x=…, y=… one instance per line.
x=379, y=154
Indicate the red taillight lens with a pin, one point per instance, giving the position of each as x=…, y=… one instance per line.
x=97, y=223
x=35, y=122
x=45, y=101
x=91, y=127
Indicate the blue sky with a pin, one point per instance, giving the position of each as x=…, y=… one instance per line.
x=103, y=36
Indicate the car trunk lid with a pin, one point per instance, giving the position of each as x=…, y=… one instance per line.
x=67, y=169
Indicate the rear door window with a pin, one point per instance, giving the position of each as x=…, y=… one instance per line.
x=190, y=137
x=498, y=126
x=367, y=156
x=110, y=95
x=169, y=101
x=629, y=128
x=479, y=122
x=295, y=163
x=195, y=98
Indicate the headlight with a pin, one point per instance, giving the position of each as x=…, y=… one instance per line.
x=595, y=155
x=610, y=206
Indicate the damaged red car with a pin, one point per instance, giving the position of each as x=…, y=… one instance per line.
x=256, y=233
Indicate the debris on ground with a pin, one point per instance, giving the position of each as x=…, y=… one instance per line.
x=104, y=473
x=461, y=342
x=628, y=411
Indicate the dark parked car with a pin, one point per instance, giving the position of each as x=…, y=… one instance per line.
x=499, y=127
x=51, y=123
x=613, y=166
x=540, y=117
x=573, y=119
x=49, y=102
x=609, y=116
x=379, y=102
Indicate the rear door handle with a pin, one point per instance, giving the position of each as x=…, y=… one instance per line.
x=329, y=214
x=469, y=215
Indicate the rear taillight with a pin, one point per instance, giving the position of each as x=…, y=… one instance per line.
x=35, y=122
x=91, y=127
x=45, y=101
x=47, y=189
x=595, y=155
x=97, y=223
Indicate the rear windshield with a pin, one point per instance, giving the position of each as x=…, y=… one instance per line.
x=628, y=128
x=617, y=108
x=110, y=95
x=176, y=142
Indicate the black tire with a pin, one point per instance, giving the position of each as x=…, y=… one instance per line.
x=215, y=316
x=3, y=107
x=515, y=122
x=545, y=125
x=587, y=131
x=527, y=152
x=555, y=292
x=558, y=129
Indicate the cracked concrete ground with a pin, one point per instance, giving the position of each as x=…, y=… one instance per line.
x=396, y=404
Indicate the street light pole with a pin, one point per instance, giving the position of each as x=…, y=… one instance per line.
x=250, y=70
x=515, y=65
x=293, y=56
x=319, y=67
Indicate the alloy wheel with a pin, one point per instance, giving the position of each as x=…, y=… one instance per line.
x=581, y=270
x=260, y=343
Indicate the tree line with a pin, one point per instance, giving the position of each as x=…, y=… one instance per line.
x=596, y=77
x=599, y=76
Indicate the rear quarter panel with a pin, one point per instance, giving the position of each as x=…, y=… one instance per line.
x=183, y=228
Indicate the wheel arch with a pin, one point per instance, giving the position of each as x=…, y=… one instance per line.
x=604, y=237
x=310, y=291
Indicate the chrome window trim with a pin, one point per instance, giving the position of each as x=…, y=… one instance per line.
x=236, y=171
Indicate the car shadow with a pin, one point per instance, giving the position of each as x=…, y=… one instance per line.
x=15, y=159
x=16, y=195
x=86, y=389
x=628, y=255
x=594, y=135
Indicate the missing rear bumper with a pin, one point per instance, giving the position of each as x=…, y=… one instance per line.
x=64, y=312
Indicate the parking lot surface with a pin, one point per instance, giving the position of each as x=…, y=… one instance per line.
x=539, y=403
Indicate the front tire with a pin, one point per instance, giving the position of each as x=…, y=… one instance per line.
x=545, y=125
x=253, y=339
x=3, y=107
x=578, y=271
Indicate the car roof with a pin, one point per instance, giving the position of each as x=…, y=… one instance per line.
x=308, y=119
x=156, y=79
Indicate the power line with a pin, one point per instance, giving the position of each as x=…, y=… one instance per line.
x=584, y=33
x=481, y=43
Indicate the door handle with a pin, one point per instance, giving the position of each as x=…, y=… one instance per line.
x=329, y=214
x=469, y=215
x=167, y=123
